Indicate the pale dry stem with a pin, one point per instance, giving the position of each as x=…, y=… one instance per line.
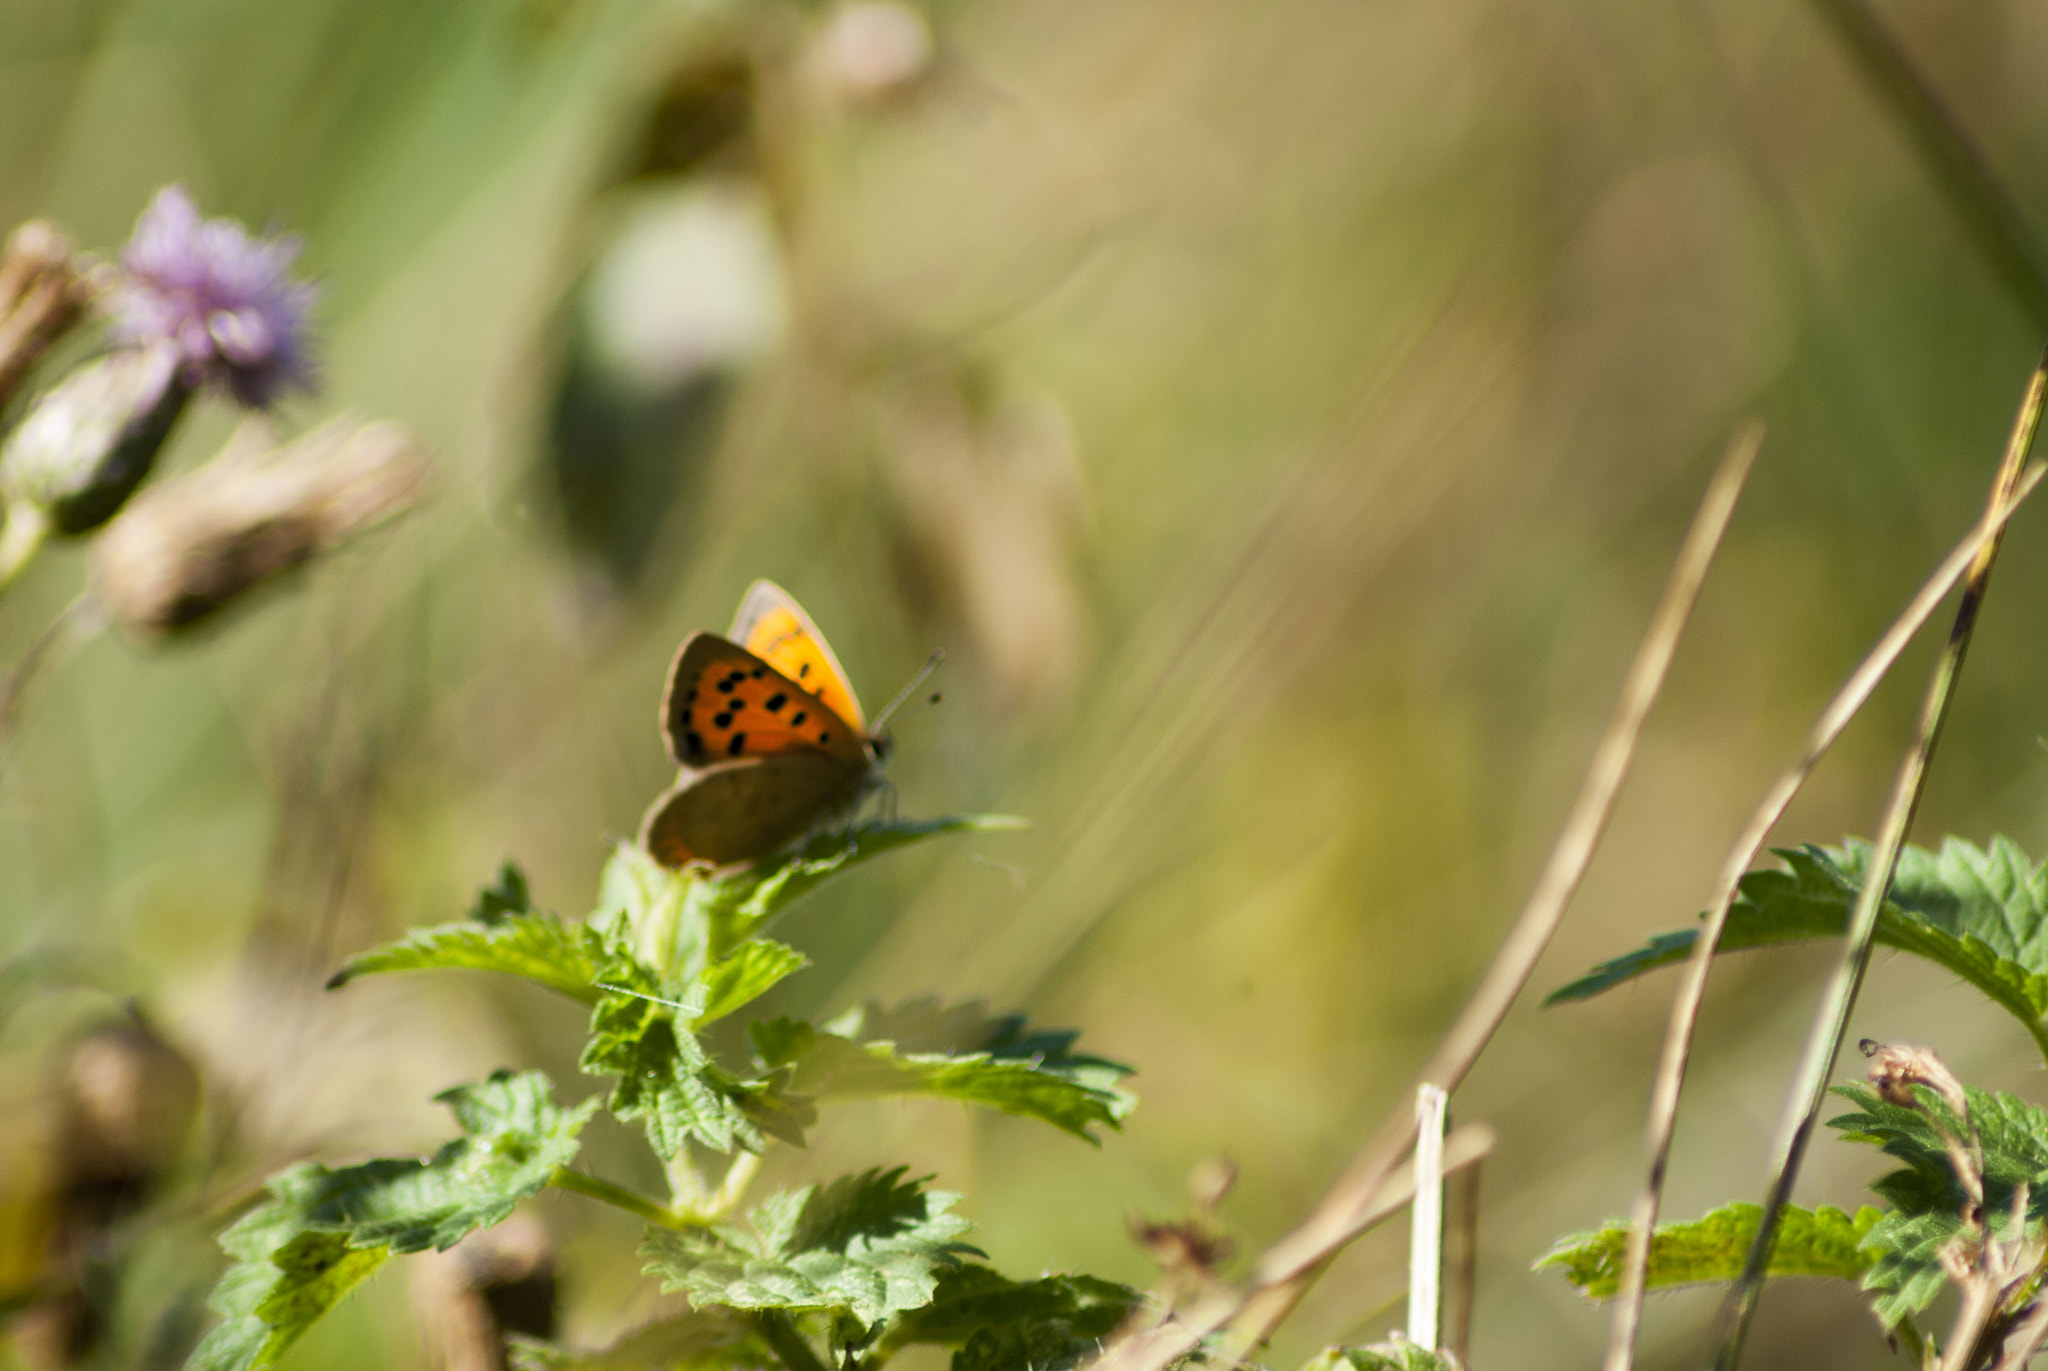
x=1685, y=1006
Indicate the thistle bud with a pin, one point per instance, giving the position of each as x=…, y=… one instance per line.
x=196, y=543
x=88, y=441
x=43, y=292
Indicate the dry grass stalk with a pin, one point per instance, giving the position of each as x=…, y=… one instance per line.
x=1356, y=1200
x=1685, y=1006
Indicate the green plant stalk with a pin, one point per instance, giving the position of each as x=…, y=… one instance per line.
x=1990, y=217
x=787, y=1343
x=1810, y=1088
x=621, y=1198
x=24, y=528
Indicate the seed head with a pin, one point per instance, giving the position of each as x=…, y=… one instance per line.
x=193, y=545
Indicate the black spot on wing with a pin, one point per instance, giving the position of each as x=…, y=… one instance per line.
x=737, y=745
x=722, y=720
x=796, y=720
x=775, y=702
x=693, y=743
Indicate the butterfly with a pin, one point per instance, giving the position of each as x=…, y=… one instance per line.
x=770, y=737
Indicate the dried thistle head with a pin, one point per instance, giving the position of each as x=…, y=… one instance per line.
x=1895, y=1068
x=44, y=288
x=193, y=545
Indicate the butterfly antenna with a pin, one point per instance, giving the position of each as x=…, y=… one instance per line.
x=924, y=672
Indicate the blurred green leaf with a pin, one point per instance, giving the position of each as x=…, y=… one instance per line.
x=284, y=1278
x=1398, y=1355
x=995, y=1062
x=1927, y=1202
x=869, y=1246
x=1980, y=913
x=1820, y=1242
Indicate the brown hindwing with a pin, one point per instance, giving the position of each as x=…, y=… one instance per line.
x=738, y=810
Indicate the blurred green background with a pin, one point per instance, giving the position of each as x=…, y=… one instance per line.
x=1283, y=414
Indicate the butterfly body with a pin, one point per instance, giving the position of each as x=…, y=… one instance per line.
x=770, y=738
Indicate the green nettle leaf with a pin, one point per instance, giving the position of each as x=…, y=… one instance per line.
x=704, y=1340
x=1399, y=1355
x=753, y=968
x=640, y=1033
x=540, y=947
x=284, y=1278
x=959, y=1053
x=1980, y=913
x=516, y=1138
x=735, y=905
x=1927, y=1202
x=867, y=1246
x=1820, y=1242
x=1051, y=1321
x=325, y=1230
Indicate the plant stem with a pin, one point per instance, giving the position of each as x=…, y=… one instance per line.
x=1685, y=1006
x=620, y=1197
x=1810, y=1090
x=24, y=528
x=1426, y=1221
x=787, y=1343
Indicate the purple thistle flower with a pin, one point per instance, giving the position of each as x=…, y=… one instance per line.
x=227, y=300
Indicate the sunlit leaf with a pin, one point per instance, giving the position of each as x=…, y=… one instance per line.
x=1980, y=913
x=752, y=969
x=540, y=947
x=869, y=1246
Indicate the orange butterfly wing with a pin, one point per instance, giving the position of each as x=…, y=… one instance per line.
x=724, y=702
x=773, y=626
